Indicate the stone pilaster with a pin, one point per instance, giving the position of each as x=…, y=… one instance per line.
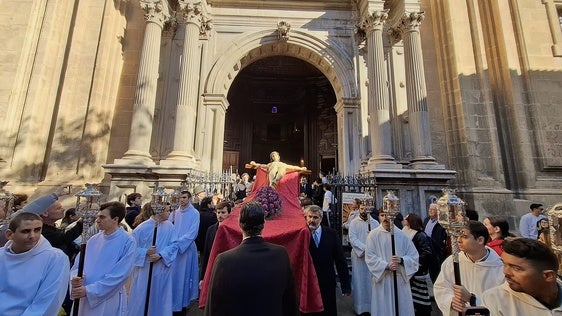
x=348, y=113
x=184, y=136
x=378, y=98
x=416, y=90
x=145, y=95
x=212, y=153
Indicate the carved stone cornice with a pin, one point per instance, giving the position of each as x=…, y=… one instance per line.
x=192, y=11
x=156, y=11
x=411, y=21
x=375, y=21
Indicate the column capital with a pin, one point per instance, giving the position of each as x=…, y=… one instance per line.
x=375, y=21
x=192, y=11
x=156, y=11
x=411, y=21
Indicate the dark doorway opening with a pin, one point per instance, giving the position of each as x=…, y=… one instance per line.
x=284, y=104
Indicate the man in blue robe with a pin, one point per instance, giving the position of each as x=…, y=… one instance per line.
x=108, y=264
x=185, y=269
x=161, y=258
x=34, y=275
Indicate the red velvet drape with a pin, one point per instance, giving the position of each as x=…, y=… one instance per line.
x=288, y=229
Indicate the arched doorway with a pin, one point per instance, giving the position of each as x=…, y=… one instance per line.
x=281, y=103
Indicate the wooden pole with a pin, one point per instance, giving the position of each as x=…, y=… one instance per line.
x=149, y=284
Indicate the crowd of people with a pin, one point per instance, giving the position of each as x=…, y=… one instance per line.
x=140, y=260
x=498, y=271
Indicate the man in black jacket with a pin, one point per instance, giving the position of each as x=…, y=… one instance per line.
x=254, y=278
x=134, y=200
x=438, y=236
x=326, y=250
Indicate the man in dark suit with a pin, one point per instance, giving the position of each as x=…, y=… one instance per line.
x=207, y=217
x=254, y=278
x=438, y=236
x=223, y=212
x=305, y=189
x=326, y=250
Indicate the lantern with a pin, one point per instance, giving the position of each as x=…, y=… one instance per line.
x=87, y=207
x=160, y=200
x=6, y=204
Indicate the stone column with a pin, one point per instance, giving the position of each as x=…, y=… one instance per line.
x=378, y=98
x=145, y=95
x=349, y=156
x=184, y=136
x=416, y=91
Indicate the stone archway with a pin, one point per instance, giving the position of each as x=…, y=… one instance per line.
x=285, y=104
x=330, y=59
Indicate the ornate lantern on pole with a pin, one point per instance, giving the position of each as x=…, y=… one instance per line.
x=452, y=216
x=160, y=200
x=6, y=204
x=175, y=198
x=87, y=207
x=391, y=206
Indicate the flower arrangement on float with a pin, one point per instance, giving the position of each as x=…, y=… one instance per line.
x=270, y=200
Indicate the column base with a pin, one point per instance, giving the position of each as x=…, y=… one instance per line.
x=382, y=162
x=135, y=157
x=180, y=158
x=426, y=162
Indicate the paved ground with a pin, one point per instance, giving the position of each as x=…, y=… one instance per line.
x=345, y=307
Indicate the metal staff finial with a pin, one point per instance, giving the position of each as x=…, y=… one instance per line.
x=175, y=198
x=160, y=200
x=87, y=207
x=391, y=206
x=6, y=204
x=451, y=215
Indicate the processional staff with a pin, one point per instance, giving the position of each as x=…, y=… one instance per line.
x=175, y=200
x=159, y=203
x=452, y=216
x=391, y=205
x=87, y=207
x=6, y=204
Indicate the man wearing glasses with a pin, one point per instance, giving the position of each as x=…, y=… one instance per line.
x=528, y=223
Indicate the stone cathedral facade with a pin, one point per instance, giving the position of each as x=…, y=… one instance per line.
x=422, y=94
